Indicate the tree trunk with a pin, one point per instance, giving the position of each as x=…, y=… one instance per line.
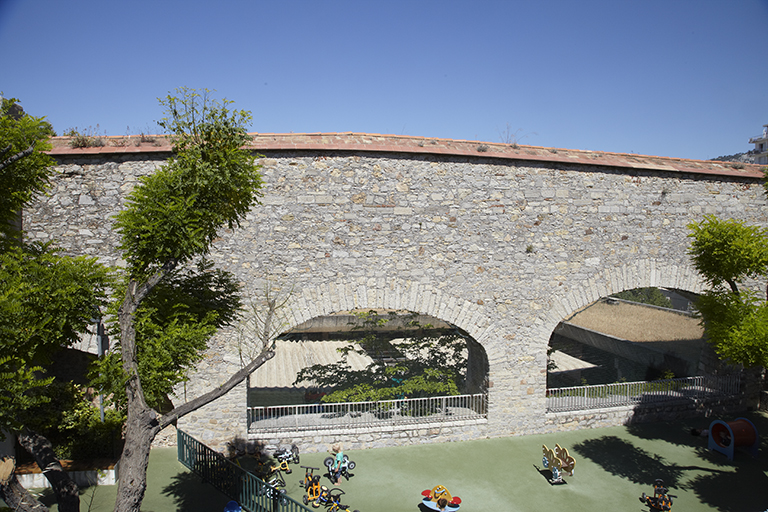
x=141, y=429
x=142, y=423
x=14, y=494
x=67, y=492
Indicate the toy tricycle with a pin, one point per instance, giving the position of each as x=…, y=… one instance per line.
x=346, y=465
x=285, y=456
x=334, y=502
x=312, y=487
x=661, y=499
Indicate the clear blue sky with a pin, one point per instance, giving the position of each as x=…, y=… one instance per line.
x=681, y=78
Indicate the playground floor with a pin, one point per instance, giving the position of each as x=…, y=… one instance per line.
x=613, y=467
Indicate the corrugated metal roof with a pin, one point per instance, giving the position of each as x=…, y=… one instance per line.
x=292, y=356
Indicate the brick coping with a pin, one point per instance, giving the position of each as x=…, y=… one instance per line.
x=375, y=143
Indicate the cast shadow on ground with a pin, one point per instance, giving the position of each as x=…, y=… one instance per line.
x=47, y=497
x=189, y=494
x=679, y=433
x=624, y=459
x=722, y=489
x=547, y=474
x=742, y=491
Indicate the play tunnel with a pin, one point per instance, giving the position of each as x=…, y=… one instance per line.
x=725, y=437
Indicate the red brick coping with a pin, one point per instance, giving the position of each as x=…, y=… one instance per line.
x=423, y=145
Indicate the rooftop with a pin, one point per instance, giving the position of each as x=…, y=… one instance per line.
x=367, y=142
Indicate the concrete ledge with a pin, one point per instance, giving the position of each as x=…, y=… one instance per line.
x=81, y=478
x=351, y=431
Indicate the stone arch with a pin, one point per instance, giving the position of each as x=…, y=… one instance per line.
x=380, y=293
x=633, y=274
x=324, y=299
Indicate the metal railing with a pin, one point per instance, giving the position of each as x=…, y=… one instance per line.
x=252, y=493
x=384, y=413
x=619, y=394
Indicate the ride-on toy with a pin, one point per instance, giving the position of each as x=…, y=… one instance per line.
x=346, y=465
x=276, y=485
x=285, y=456
x=334, y=502
x=438, y=492
x=312, y=487
x=661, y=499
x=558, y=461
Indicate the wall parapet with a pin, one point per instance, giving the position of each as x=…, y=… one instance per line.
x=370, y=143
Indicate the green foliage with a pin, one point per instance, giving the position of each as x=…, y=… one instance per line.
x=425, y=364
x=211, y=181
x=736, y=321
x=652, y=296
x=46, y=300
x=728, y=251
x=73, y=424
x=21, y=384
x=173, y=327
x=24, y=166
x=736, y=325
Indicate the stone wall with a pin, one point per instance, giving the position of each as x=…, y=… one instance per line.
x=646, y=413
x=504, y=249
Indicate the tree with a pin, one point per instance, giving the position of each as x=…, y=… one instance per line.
x=426, y=362
x=170, y=221
x=735, y=318
x=652, y=296
x=46, y=300
x=24, y=165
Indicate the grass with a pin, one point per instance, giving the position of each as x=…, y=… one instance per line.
x=613, y=467
x=637, y=323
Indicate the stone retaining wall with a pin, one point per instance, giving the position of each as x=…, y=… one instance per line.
x=504, y=249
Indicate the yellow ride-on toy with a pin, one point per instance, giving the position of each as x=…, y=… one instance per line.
x=285, y=456
x=661, y=499
x=312, y=488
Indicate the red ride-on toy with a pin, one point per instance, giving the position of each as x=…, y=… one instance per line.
x=661, y=499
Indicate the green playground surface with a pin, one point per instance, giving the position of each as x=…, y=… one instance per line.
x=613, y=467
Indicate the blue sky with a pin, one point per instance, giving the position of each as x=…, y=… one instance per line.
x=673, y=78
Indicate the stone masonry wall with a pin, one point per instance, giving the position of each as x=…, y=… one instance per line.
x=504, y=249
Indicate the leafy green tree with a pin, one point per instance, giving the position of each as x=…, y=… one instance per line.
x=46, y=300
x=170, y=221
x=24, y=165
x=726, y=253
x=425, y=363
x=652, y=296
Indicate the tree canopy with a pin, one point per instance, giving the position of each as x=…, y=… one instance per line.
x=25, y=168
x=425, y=362
x=727, y=253
x=172, y=300
x=47, y=300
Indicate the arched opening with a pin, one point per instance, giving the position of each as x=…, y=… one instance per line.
x=640, y=334
x=370, y=354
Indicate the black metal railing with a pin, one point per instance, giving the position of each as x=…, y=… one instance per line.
x=252, y=493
